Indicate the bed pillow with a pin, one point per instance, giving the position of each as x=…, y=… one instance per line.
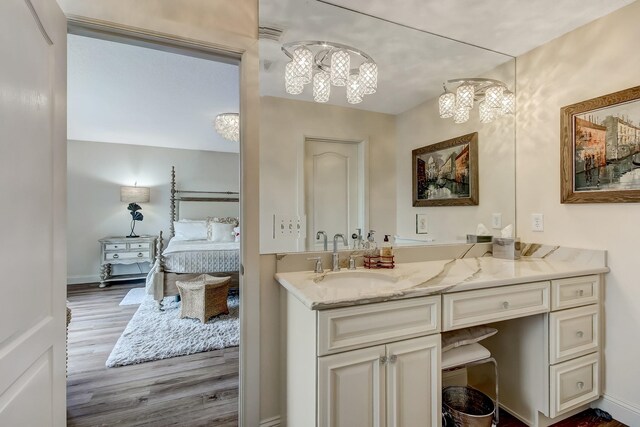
x=236, y=233
x=192, y=230
x=221, y=232
x=453, y=339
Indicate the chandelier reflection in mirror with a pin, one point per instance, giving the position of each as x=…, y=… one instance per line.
x=326, y=64
x=228, y=126
x=493, y=97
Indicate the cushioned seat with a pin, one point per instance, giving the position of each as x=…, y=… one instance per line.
x=463, y=355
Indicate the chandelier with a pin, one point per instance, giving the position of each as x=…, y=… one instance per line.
x=493, y=97
x=228, y=126
x=326, y=64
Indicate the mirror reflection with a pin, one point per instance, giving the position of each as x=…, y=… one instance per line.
x=345, y=99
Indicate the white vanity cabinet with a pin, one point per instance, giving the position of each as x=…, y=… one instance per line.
x=373, y=365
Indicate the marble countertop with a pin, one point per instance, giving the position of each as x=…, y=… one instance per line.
x=326, y=290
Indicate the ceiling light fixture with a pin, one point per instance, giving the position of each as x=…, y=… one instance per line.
x=324, y=64
x=493, y=97
x=228, y=126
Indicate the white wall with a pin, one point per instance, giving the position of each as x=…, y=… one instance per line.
x=423, y=126
x=284, y=124
x=594, y=60
x=95, y=172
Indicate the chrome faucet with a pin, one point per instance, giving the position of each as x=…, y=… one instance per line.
x=324, y=235
x=336, y=257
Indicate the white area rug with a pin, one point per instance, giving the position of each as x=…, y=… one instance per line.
x=154, y=335
x=134, y=296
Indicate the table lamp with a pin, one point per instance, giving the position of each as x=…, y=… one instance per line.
x=133, y=196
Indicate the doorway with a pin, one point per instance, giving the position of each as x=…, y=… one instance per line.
x=198, y=386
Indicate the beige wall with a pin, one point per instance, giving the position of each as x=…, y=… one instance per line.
x=422, y=126
x=599, y=58
x=95, y=172
x=232, y=28
x=284, y=124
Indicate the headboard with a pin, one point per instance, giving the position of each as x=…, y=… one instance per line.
x=212, y=197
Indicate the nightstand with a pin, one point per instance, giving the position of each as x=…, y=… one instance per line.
x=125, y=250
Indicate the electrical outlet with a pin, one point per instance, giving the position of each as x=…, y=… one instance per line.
x=537, y=222
x=496, y=220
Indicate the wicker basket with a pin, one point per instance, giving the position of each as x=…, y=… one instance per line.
x=203, y=297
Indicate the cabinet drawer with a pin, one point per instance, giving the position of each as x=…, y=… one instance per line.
x=126, y=255
x=115, y=246
x=573, y=333
x=574, y=383
x=139, y=245
x=575, y=292
x=470, y=308
x=349, y=328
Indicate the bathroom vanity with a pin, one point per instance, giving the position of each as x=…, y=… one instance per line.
x=363, y=346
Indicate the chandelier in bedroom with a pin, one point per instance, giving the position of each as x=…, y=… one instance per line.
x=324, y=65
x=493, y=97
x=228, y=126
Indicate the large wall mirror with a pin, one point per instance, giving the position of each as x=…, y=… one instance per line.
x=341, y=161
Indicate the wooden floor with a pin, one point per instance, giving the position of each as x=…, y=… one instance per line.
x=196, y=390
x=588, y=418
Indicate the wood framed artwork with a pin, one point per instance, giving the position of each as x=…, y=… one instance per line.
x=600, y=149
x=446, y=173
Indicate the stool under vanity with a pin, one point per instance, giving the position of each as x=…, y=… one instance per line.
x=364, y=348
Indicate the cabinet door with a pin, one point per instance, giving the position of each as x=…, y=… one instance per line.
x=351, y=388
x=413, y=382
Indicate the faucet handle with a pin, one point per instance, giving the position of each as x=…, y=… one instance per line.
x=318, y=267
x=352, y=261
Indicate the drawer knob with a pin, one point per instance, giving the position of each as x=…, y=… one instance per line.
x=579, y=334
x=505, y=304
x=116, y=256
x=383, y=360
x=140, y=255
x=581, y=292
x=580, y=385
x=393, y=358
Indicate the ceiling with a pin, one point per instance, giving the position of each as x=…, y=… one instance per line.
x=127, y=94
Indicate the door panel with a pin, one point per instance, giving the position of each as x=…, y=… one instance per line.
x=33, y=215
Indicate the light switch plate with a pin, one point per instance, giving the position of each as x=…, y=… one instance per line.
x=286, y=227
x=496, y=220
x=537, y=222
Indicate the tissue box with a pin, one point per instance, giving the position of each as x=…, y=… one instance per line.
x=475, y=238
x=506, y=248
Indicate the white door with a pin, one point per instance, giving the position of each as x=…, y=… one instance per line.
x=413, y=382
x=351, y=389
x=333, y=189
x=32, y=213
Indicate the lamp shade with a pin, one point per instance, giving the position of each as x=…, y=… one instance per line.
x=134, y=194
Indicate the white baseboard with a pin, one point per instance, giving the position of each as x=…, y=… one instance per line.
x=270, y=422
x=625, y=412
x=77, y=280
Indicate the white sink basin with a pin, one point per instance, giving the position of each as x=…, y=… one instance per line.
x=359, y=279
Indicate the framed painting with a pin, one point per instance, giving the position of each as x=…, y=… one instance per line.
x=600, y=149
x=446, y=173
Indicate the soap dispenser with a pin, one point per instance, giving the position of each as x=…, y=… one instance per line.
x=386, y=249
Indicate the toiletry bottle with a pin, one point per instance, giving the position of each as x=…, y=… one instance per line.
x=386, y=248
x=371, y=242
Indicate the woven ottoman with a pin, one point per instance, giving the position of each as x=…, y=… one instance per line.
x=203, y=297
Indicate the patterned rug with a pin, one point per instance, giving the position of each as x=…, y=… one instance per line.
x=134, y=297
x=154, y=335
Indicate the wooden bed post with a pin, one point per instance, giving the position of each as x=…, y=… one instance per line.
x=158, y=283
x=172, y=206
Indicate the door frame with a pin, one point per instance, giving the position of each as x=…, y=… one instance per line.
x=247, y=60
x=363, y=163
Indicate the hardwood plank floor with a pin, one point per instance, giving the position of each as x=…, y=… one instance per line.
x=588, y=418
x=196, y=390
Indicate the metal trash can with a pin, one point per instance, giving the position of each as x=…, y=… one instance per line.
x=466, y=406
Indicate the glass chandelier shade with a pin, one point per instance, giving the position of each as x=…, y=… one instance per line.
x=369, y=77
x=293, y=85
x=508, y=102
x=321, y=86
x=493, y=96
x=464, y=96
x=228, y=126
x=447, y=104
x=487, y=114
x=461, y=115
x=340, y=67
x=302, y=64
x=354, y=89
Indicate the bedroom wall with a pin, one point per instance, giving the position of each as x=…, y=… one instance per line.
x=594, y=60
x=96, y=171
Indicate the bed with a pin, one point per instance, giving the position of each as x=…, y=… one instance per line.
x=189, y=255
